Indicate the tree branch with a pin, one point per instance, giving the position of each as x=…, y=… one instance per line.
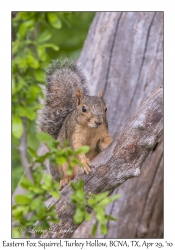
x=25, y=163
x=122, y=160
x=23, y=151
x=19, y=190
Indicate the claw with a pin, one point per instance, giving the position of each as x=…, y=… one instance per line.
x=86, y=167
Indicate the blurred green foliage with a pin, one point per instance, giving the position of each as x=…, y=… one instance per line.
x=32, y=203
x=97, y=202
x=42, y=187
x=37, y=38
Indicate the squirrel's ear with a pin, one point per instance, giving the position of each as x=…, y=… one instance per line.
x=79, y=96
x=101, y=93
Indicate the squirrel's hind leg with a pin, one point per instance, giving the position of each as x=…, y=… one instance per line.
x=64, y=181
x=64, y=176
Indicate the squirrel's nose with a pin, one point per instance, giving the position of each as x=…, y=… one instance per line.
x=98, y=123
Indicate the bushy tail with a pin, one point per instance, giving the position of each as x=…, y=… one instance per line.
x=63, y=78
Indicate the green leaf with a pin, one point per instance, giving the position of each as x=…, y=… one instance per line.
x=61, y=160
x=56, y=150
x=16, y=234
x=52, y=213
x=41, y=52
x=48, y=180
x=36, y=190
x=40, y=75
x=69, y=171
x=79, y=184
x=37, y=106
x=29, y=223
x=32, y=152
x=82, y=150
x=35, y=203
x=17, y=127
x=56, y=185
x=105, y=202
x=110, y=217
x=41, y=210
x=45, y=36
x=54, y=20
x=20, y=210
x=13, y=85
x=33, y=62
x=25, y=15
x=71, y=164
x=44, y=137
x=43, y=225
x=76, y=161
x=103, y=229
x=33, y=92
x=55, y=194
x=54, y=220
x=78, y=216
x=38, y=175
x=101, y=196
x=20, y=110
x=29, y=23
x=42, y=158
x=22, y=30
x=87, y=216
x=94, y=228
x=91, y=202
x=28, y=42
x=115, y=197
x=108, y=200
x=30, y=195
x=30, y=114
x=25, y=183
x=80, y=195
x=100, y=214
x=51, y=45
x=15, y=46
x=33, y=219
x=18, y=85
x=26, y=111
x=19, y=63
x=22, y=200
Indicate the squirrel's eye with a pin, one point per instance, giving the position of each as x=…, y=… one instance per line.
x=84, y=109
x=105, y=109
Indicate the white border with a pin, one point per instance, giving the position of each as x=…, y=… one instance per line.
x=5, y=93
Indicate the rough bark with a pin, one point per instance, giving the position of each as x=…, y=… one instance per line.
x=119, y=162
x=123, y=54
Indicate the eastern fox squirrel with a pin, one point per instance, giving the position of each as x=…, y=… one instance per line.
x=70, y=113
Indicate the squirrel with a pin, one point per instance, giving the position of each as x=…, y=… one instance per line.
x=70, y=113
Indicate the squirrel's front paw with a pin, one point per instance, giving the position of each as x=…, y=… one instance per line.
x=86, y=167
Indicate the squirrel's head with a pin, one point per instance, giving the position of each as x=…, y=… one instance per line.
x=91, y=109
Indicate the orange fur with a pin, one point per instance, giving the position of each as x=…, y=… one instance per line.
x=89, y=128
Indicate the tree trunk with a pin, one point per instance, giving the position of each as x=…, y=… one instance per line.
x=120, y=161
x=123, y=54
